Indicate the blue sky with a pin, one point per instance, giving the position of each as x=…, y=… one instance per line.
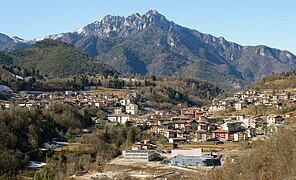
x=247, y=22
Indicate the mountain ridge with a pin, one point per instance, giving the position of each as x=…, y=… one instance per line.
x=150, y=44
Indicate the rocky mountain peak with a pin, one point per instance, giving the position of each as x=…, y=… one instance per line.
x=117, y=26
x=153, y=12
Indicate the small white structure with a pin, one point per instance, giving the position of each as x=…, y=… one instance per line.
x=118, y=110
x=119, y=118
x=132, y=109
x=239, y=136
x=217, y=107
x=177, y=139
x=236, y=137
x=238, y=106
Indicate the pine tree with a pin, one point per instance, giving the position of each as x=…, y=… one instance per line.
x=131, y=135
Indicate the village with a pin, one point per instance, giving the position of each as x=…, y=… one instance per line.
x=193, y=137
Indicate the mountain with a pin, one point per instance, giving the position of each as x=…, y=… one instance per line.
x=57, y=59
x=9, y=44
x=150, y=44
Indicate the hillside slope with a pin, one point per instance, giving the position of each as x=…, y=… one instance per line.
x=282, y=81
x=58, y=59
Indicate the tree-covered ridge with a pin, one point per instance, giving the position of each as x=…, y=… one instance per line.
x=58, y=59
x=166, y=92
x=23, y=130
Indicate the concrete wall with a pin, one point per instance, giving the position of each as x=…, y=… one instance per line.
x=192, y=152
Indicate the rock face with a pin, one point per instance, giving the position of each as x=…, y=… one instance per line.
x=151, y=44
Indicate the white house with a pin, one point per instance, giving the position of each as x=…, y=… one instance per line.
x=251, y=132
x=232, y=126
x=246, y=121
x=132, y=109
x=274, y=119
x=238, y=106
x=170, y=133
x=201, y=135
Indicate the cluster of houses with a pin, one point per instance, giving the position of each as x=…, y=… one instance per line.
x=196, y=124
x=185, y=126
x=200, y=125
x=188, y=125
x=124, y=113
x=268, y=98
x=74, y=98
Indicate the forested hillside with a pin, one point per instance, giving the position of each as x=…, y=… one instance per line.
x=58, y=59
x=167, y=92
x=23, y=130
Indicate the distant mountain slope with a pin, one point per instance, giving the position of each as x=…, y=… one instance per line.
x=57, y=59
x=151, y=44
x=9, y=44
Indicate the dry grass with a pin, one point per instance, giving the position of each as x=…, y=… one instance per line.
x=117, y=92
x=205, y=146
x=76, y=147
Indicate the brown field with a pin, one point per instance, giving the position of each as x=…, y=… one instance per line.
x=117, y=92
x=75, y=147
x=207, y=146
